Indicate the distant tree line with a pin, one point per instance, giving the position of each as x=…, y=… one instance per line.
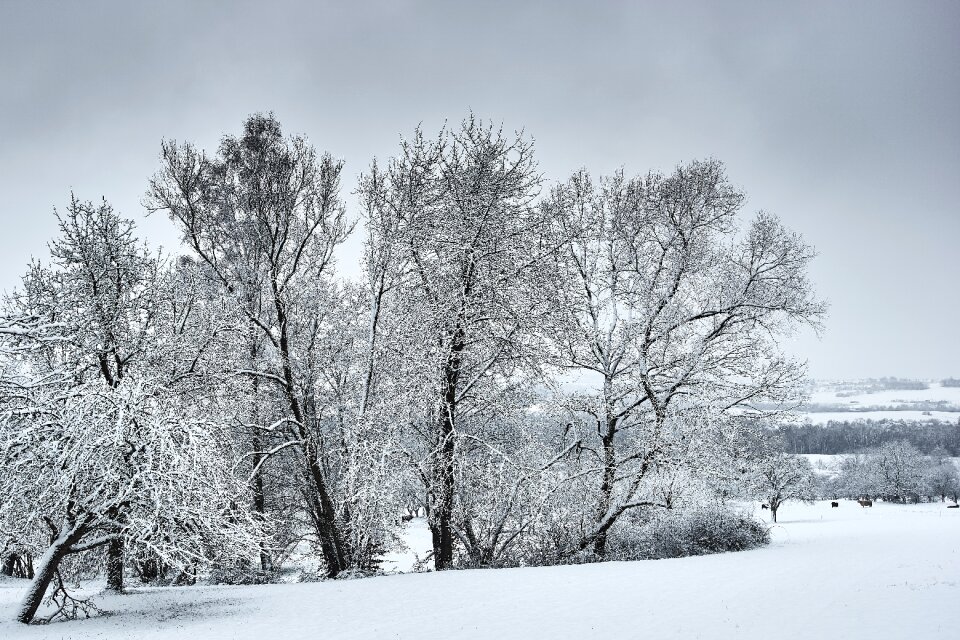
x=890, y=383
x=855, y=436
x=896, y=472
x=924, y=405
x=900, y=384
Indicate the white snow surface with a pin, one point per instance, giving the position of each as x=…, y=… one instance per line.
x=936, y=402
x=935, y=392
x=891, y=571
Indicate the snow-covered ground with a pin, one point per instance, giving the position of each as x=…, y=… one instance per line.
x=892, y=571
x=889, y=397
x=833, y=402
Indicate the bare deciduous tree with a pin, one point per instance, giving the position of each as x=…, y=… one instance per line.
x=674, y=312
x=265, y=216
x=467, y=243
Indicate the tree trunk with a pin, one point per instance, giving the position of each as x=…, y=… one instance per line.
x=256, y=483
x=45, y=571
x=259, y=501
x=441, y=526
x=773, y=513
x=115, y=565
x=600, y=545
x=325, y=520
x=609, y=469
x=331, y=542
x=8, y=563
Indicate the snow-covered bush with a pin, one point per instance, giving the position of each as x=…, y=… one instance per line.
x=672, y=533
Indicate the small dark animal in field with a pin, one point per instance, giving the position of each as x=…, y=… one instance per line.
x=834, y=504
x=764, y=506
x=953, y=506
x=865, y=503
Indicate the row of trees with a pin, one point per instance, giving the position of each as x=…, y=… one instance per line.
x=218, y=408
x=842, y=437
x=896, y=471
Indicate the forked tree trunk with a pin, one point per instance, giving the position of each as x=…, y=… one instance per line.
x=608, y=440
x=332, y=545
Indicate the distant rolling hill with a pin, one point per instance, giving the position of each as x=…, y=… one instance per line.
x=884, y=399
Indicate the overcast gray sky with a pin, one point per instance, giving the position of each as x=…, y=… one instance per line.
x=841, y=117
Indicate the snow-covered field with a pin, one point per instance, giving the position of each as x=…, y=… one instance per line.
x=934, y=403
x=889, y=397
x=892, y=571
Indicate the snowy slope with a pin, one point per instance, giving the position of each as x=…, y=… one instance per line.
x=892, y=571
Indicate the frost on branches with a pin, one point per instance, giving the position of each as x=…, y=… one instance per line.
x=107, y=463
x=676, y=312
x=263, y=218
x=456, y=222
x=221, y=408
x=107, y=435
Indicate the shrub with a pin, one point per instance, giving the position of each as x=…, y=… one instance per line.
x=241, y=574
x=675, y=534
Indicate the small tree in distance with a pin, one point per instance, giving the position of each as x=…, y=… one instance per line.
x=780, y=477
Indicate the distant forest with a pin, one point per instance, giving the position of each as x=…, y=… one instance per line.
x=837, y=437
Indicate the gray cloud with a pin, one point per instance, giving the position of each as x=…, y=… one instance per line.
x=839, y=117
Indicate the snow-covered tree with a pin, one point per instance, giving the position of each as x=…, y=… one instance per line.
x=941, y=477
x=779, y=477
x=898, y=469
x=91, y=464
x=893, y=471
x=468, y=246
x=855, y=478
x=265, y=216
x=108, y=368
x=674, y=312
x=98, y=296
